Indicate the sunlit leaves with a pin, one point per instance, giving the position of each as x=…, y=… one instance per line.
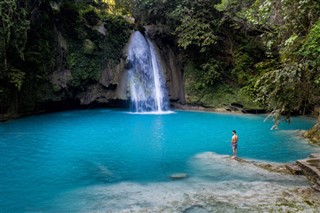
x=196, y=28
x=195, y=32
x=311, y=44
x=13, y=36
x=14, y=26
x=289, y=30
x=282, y=88
x=16, y=77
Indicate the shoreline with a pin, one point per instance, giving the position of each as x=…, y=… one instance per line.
x=231, y=109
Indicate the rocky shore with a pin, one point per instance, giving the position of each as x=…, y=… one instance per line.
x=313, y=135
x=309, y=167
x=272, y=188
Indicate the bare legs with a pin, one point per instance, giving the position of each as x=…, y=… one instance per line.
x=234, y=150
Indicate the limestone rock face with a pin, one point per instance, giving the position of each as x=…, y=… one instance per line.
x=60, y=78
x=174, y=76
x=112, y=85
x=96, y=93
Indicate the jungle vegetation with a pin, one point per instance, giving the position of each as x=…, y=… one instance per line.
x=260, y=53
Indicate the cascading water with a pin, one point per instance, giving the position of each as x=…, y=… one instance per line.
x=146, y=79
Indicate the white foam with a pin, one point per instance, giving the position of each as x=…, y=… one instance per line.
x=152, y=113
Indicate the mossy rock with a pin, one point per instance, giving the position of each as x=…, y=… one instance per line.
x=88, y=46
x=314, y=134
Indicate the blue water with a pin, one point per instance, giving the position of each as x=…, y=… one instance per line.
x=44, y=157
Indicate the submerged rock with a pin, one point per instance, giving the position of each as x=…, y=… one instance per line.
x=177, y=176
x=196, y=209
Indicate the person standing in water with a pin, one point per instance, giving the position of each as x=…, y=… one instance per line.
x=234, y=143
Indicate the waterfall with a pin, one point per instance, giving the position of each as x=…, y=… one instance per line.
x=146, y=78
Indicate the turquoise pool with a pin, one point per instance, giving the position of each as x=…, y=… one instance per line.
x=112, y=160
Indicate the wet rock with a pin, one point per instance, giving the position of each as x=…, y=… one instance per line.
x=316, y=187
x=254, y=111
x=100, y=28
x=178, y=176
x=274, y=168
x=189, y=107
x=196, y=209
x=236, y=107
x=294, y=169
x=311, y=169
x=240, y=160
x=314, y=155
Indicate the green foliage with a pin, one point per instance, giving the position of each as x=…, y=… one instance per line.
x=196, y=29
x=13, y=30
x=211, y=92
x=284, y=89
x=218, y=96
x=91, y=16
x=16, y=77
x=243, y=67
x=124, y=7
x=37, y=38
x=204, y=76
x=153, y=11
x=314, y=133
x=231, y=51
x=310, y=47
x=70, y=21
x=118, y=35
x=14, y=26
x=195, y=32
x=212, y=72
x=224, y=5
x=289, y=31
x=193, y=76
x=85, y=66
x=88, y=57
x=88, y=46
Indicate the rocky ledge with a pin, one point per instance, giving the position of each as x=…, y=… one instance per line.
x=232, y=108
x=311, y=169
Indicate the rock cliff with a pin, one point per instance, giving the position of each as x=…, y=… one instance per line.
x=111, y=85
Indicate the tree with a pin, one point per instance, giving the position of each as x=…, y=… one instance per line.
x=290, y=32
x=13, y=36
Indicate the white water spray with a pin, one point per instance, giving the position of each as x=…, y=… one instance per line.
x=146, y=79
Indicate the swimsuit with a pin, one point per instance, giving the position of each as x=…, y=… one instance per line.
x=234, y=145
